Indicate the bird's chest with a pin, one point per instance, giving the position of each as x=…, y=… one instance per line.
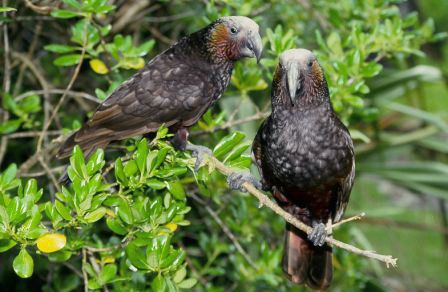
x=219, y=79
x=304, y=151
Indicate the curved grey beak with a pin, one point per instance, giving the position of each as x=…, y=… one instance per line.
x=257, y=46
x=254, y=47
x=292, y=72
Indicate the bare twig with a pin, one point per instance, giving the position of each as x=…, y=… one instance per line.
x=58, y=169
x=264, y=200
x=30, y=134
x=81, y=94
x=84, y=273
x=64, y=95
x=23, y=66
x=6, y=83
x=38, y=9
x=160, y=36
x=49, y=172
x=353, y=218
x=127, y=14
x=168, y=18
x=226, y=230
x=73, y=269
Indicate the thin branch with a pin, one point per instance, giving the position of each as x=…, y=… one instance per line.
x=73, y=269
x=264, y=200
x=59, y=91
x=49, y=172
x=226, y=230
x=38, y=9
x=31, y=134
x=353, y=218
x=84, y=273
x=61, y=101
x=6, y=83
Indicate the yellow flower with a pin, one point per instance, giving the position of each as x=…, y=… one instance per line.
x=51, y=242
x=98, y=66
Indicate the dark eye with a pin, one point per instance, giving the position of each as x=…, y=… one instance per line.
x=310, y=63
x=233, y=30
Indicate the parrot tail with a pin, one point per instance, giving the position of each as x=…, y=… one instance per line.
x=304, y=263
x=89, y=139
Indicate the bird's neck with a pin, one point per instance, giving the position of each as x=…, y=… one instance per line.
x=210, y=48
x=307, y=98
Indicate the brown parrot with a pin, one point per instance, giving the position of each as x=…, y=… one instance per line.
x=305, y=157
x=175, y=88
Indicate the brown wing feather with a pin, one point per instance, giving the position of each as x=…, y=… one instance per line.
x=167, y=91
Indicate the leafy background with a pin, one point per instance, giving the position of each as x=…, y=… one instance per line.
x=138, y=218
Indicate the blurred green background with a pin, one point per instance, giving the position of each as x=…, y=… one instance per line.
x=386, y=63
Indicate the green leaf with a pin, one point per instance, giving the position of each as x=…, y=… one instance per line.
x=125, y=212
x=135, y=256
x=30, y=104
x=176, y=189
x=6, y=244
x=130, y=168
x=4, y=219
x=155, y=184
x=96, y=162
x=60, y=256
x=7, y=9
x=237, y=151
x=23, y=264
x=67, y=60
x=140, y=155
x=160, y=157
x=9, y=174
x=100, y=94
x=64, y=14
x=227, y=144
x=164, y=173
x=77, y=162
x=9, y=103
x=180, y=275
x=158, y=284
x=119, y=172
x=63, y=211
x=95, y=215
x=187, y=283
x=60, y=48
x=108, y=273
x=10, y=126
x=116, y=226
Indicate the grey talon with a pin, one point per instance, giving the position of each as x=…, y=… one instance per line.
x=236, y=179
x=318, y=234
x=198, y=152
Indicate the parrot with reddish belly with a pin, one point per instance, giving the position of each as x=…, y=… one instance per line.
x=305, y=157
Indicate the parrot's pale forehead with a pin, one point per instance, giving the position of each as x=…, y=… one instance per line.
x=242, y=21
x=301, y=55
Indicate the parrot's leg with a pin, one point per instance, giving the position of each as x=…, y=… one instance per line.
x=180, y=142
x=236, y=180
x=319, y=234
x=199, y=152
